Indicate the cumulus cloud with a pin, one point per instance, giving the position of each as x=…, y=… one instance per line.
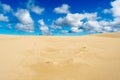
x=115, y=24
x=32, y=7
x=87, y=21
x=53, y=26
x=41, y=22
x=5, y=7
x=37, y=9
x=23, y=16
x=43, y=28
x=64, y=9
x=107, y=11
x=91, y=22
x=76, y=29
x=76, y=21
x=64, y=31
x=3, y=18
x=116, y=8
x=70, y=20
x=93, y=26
x=25, y=21
x=24, y=27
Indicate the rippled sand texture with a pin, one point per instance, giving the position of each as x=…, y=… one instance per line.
x=93, y=57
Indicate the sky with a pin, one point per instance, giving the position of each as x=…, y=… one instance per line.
x=59, y=17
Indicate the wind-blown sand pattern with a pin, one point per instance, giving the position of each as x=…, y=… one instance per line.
x=92, y=57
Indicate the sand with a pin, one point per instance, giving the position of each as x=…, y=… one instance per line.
x=92, y=57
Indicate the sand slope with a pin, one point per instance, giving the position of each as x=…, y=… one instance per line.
x=93, y=57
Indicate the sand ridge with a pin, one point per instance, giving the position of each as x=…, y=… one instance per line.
x=92, y=57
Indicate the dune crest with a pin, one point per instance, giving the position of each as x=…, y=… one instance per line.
x=109, y=35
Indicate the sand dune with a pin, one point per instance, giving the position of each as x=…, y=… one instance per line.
x=92, y=57
x=110, y=35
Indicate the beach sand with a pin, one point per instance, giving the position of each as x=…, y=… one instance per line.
x=91, y=57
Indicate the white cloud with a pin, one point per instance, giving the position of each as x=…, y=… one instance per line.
x=107, y=28
x=116, y=22
x=23, y=16
x=26, y=22
x=116, y=8
x=25, y=27
x=93, y=26
x=3, y=18
x=76, y=29
x=41, y=22
x=64, y=31
x=5, y=7
x=70, y=20
x=55, y=26
x=32, y=7
x=37, y=9
x=43, y=28
x=64, y=9
x=112, y=25
x=107, y=11
x=75, y=20
x=77, y=24
x=92, y=23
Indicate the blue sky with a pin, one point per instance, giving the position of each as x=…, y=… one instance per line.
x=59, y=17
